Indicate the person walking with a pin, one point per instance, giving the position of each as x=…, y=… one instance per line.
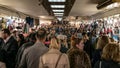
x=77, y=56
x=9, y=49
x=54, y=58
x=30, y=58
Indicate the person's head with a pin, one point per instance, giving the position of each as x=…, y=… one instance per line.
x=41, y=34
x=77, y=43
x=32, y=37
x=102, y=41
x=111, y=52
x=20, y=37
x=54, y=43
x=5, y=33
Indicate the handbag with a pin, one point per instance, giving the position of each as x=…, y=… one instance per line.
x=45, y=65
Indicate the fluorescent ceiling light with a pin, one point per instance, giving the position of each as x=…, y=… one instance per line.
x=114, y=5
x=59, y=18
x=58, y=13
x=56, y=0
x=58, y=10
x=57, y=6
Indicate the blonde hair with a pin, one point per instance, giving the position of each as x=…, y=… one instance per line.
x=111, y=52
x=54, y=43
x=102, y=41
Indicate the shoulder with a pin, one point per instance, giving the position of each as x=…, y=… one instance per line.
x=76, y=51
x=64, y=55
x=12, y=40
x=97, y=64
x=35, y=48
x=27, y=44
x=27, y=50
x=113, y=64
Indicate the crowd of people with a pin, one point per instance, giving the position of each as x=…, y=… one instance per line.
x=58, y=46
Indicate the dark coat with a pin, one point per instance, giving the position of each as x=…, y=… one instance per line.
x=96, y=56
x=107, y=64
x=20, y=52
x=1, y=42
x=88, y=47
x=78, y=59
x=8, y=52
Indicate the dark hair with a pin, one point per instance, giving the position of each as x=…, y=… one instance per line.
x=7, y=31
x=21, y=36
x=84, y=33
x=22, y=39
x=41, y=33
x=32, y=36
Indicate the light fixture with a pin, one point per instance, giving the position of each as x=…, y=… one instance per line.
x=114, y=5
x=59, y=18
x=57, y=6
x=56, y=0
x=58, y=13
x=58, y=10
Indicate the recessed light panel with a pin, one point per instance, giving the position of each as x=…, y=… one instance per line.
x=58, y=10
x=58, y=13
x=57, y=6
x=56, y=0
x=59, y=18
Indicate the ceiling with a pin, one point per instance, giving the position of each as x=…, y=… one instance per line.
x=30, y=7
x=66, y=9
x=84, y=8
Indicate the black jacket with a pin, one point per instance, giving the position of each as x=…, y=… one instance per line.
x=107, y=64
x=96, y=56
x=20, y=52
x=1, y=42
x=88, y=47
x=8, y=52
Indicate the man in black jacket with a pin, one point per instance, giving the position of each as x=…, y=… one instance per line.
x=9, y=49
x=1, y=41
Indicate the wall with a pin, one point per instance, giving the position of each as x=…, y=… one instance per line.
x=7, y=12
x=11, y=12
x=106, y=13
